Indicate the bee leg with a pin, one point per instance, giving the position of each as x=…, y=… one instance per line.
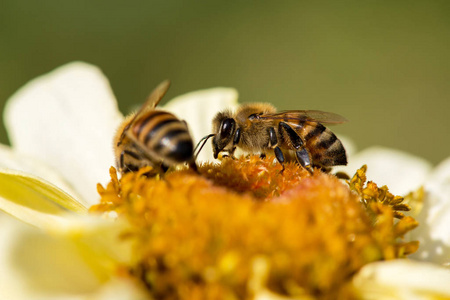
x=231, y=153
x=161, y=172
x=273, y=143
x=262, y=155
x=293, y=136
x=280, y=157
x=121, y=164
x=323, y=169
x=302, y=153
x=162, y=176
x=237, y=136
x=304, y=159
x=342, y=175
x=164, y=168
x=122, y=154
x=157, y=170
x=236, y=139
x=193, y=166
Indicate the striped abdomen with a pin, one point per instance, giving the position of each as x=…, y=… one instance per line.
x=163, y=137
x=325, y=148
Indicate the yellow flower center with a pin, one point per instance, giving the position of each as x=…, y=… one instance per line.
x=241, y=227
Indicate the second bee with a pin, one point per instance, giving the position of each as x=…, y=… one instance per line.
x=153, y=138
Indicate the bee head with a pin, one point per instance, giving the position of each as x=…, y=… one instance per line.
x=224, y=127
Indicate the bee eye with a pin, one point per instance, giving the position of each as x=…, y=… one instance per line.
x=227, y=127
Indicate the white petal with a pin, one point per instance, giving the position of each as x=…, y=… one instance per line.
x=100, y=237
x=434, y=218
x=268, y=295
x=35, y=264
x=12, y=160
x=403, y=279
x=400, y=171
x=67, y=119
x=71, y=263
x=198, y=110
x=114, y=289
x=35, y=201
x=119, y=289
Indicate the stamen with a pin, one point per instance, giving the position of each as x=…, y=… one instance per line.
x=240, y=228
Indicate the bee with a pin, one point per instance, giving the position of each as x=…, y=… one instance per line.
x=153, y=137
x=290, y=135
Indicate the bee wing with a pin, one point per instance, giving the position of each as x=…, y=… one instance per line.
x=307, y=115
x=152, y=101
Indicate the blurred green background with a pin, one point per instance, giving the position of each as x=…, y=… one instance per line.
x=385, y=65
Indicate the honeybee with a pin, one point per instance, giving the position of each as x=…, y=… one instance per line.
x=153, y=137
x=290, y=135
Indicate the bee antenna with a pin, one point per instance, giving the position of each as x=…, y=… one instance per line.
x=204, y=140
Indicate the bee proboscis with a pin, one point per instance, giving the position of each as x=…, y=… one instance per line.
x=153, y=137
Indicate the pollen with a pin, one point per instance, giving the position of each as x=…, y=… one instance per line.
x=244, y=228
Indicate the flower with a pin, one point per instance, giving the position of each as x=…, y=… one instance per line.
x=410, y=175
x=309, y=233
x=66, y=119
x=434, y=234
x=61, y=126
x=240, y=229
x=403, y=279
x=400, y=171
x=405, y=174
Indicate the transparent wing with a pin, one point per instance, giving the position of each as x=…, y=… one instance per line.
x=307, y=115
x=152, y=101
